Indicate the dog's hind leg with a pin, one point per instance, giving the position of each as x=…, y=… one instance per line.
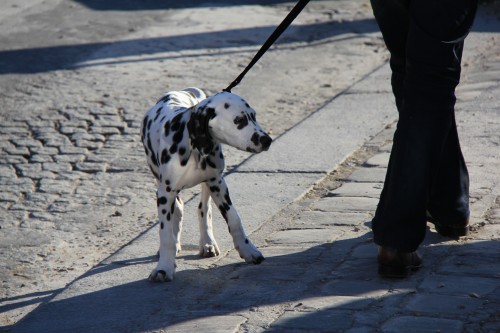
x=177, y=222
x=165, y=269
x=208, y=245
x=246, y=249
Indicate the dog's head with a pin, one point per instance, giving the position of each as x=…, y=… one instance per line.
x=227, y=118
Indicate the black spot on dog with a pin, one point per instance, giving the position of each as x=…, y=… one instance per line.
x=210, y=163
x=167, y=182
x=176, y=123
x=149, y=144
x=164, y=99
x=182, y=151
x=144, y=124
x=178, y=136
x=161, y=225
x=204, y=164
x=223, y=211
x=149, y=124
x=198, y=129
x=246, y=240
x=166, y=128
x=161, y=201
x=157, y=114
x=165, y=157
x=172, y=207
x=226, y=105
x=154, y=160
x=214, y=189
x=168, y=189
x=255, y=138
x=168, y=217
x=173, y=148
x=164, y=211
x=241, y=121
x=184, y=162
x=227, y=198
x=200, y=205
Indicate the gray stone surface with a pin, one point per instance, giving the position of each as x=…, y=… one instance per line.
x=78, y=235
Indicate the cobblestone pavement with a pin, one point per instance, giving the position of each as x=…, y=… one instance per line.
x=73, y=183
x=320, y=272
x=74, y=189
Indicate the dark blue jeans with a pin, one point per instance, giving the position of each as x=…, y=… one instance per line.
x=426, y=171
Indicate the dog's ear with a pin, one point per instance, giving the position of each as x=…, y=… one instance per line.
x=198, y=129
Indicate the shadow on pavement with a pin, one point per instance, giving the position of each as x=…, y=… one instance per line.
x=46, y=59
x=162, y=4
x=327, y=286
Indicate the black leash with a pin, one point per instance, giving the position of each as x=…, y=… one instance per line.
x=270, y=41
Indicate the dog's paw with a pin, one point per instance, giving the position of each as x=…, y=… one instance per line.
x=255, y=259
x=161, y=275
x=250, y=253
x=209, y=250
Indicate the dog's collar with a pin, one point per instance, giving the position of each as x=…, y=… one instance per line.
x=198, y=128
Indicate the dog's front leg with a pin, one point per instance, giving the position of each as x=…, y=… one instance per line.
x=246, y=249
x=165, y=268
x=208, y=245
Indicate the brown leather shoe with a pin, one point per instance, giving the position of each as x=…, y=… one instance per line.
x=452, y=230
x=396, y=264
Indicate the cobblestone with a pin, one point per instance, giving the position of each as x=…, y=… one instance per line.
x=70, y=158
x=56, y=167
x=91, y=167
x=55, y=186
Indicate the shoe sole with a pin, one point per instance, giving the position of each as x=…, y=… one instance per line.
x=396, y=272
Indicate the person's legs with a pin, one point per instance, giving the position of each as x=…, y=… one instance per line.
x=449, y=198
x=425, y=133
x=393, y=18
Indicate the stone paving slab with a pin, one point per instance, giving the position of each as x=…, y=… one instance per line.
x=334, y=129
x=368, y=190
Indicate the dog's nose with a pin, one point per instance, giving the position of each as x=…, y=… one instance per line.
x=265, y=141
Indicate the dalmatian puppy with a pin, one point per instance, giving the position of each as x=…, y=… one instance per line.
x=182, y=136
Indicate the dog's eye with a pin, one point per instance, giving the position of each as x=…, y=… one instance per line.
x=241, y=121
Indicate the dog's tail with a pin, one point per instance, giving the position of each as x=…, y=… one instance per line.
x=196, y=93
